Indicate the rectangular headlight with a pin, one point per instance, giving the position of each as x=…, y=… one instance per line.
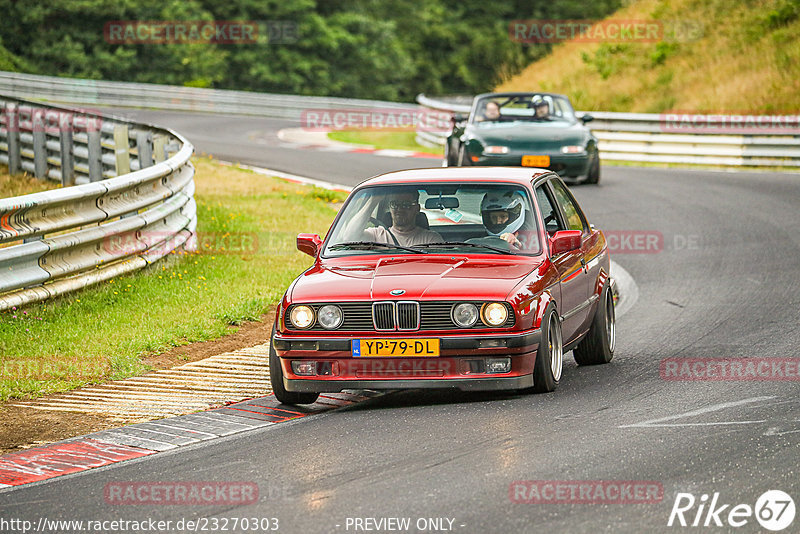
x=495, y=150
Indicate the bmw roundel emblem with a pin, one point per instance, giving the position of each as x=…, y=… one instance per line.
x=397, y=292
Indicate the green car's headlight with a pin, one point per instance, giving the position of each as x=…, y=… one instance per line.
x=572, y=149
x=495, y=150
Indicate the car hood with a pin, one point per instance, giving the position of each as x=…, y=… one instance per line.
x=521, y=135
x=429, y=278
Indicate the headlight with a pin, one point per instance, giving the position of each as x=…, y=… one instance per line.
x=465, y=314
x=494, y=314
x=302, y=316
x=330, y=316
x=495, y=150
x=574, y=149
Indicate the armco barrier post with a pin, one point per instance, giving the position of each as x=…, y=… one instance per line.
x=122, y=149
x=95, y=155
x=144, y=148
x=39, y=146
x=12, y=123
x=159, y=148
x=67, y=158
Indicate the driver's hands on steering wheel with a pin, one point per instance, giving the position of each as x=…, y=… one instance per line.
x=511, y=239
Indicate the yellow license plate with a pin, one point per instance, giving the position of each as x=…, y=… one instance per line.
x=535, y=161
x=395, y=348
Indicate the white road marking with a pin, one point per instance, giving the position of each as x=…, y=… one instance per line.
x=713, y=408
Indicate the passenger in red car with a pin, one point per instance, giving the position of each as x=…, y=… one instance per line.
x=503, y=215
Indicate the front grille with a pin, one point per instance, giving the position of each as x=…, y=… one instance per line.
x=383, y=315
x=407, y=315
x=426, y=315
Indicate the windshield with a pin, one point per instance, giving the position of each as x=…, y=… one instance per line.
x=477, y=218
x=532, y=107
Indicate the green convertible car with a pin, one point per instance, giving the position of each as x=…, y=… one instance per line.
x=527, y=129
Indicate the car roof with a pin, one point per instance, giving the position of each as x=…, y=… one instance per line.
x=519, y=175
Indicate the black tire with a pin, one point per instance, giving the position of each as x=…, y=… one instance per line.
x=594, y=171
x=451, y=154
x=463, y=160
x=276, y=379
x=550, y=356
x=599, y=344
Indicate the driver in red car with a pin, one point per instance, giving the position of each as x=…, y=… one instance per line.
x=404, y=231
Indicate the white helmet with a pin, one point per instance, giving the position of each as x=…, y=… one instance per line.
x=512, y=202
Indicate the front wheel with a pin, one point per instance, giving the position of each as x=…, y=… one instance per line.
x=598, y=345
x=550, y=356
x=276, y=378
x=594, y=171
x=450, y=154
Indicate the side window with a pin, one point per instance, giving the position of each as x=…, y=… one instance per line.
x=549, y=213
x=568, y=207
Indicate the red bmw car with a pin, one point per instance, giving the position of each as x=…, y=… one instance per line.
x=469, y=278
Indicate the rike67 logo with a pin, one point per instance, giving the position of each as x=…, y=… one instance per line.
x=774, y=510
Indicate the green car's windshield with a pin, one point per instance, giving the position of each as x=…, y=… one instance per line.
x=533, y=107
x=478, y=218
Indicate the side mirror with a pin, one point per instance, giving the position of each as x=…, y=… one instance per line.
x=587, y=118
x=565, y=241
x=459, y=117
x=309, y=243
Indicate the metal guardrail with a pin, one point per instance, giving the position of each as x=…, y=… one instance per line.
x=641, y=137
x=114, y=221
x=124, y=94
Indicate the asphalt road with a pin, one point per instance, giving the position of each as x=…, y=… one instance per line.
x=724, y=283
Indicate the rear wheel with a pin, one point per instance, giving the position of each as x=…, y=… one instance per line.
x=598, y=345
x=594, y=171
x=276, y=378
x=550, y=356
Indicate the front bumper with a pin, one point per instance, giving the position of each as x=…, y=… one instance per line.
x=469, y=384
x=569, y=165
x=455, y=367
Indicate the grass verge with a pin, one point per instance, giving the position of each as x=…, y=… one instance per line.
x=384, y=139
x=22, y=184
x=247, y=225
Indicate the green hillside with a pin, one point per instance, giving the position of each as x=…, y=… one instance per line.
x=746, y=59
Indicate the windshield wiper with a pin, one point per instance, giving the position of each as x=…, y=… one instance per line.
x=371, y=245
x=451, y=244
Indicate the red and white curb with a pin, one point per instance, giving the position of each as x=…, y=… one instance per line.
x=318, y=139
x=143, y=439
